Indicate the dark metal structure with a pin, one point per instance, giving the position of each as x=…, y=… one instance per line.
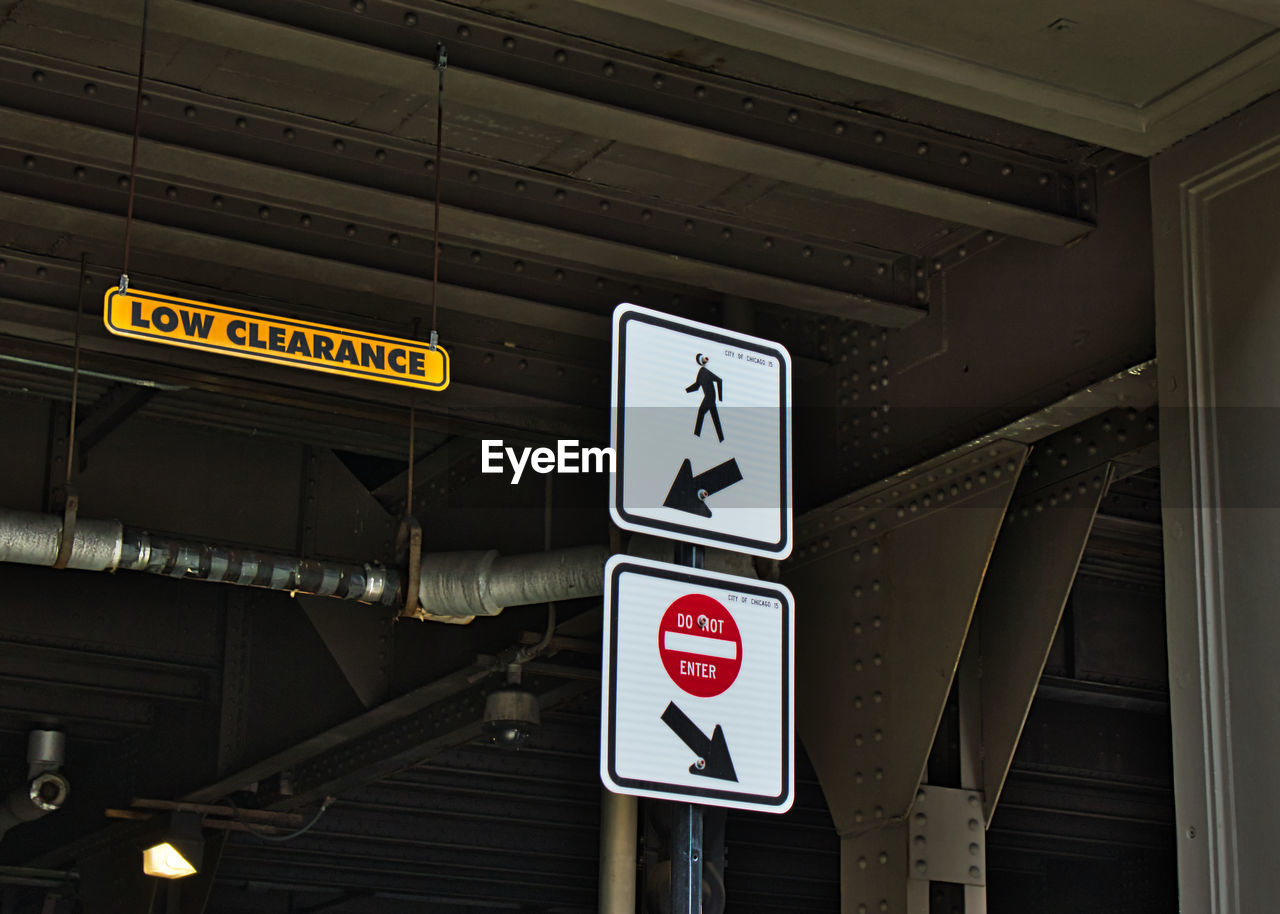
x=967, y=296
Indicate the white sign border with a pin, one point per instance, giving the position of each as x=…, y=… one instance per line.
x=681, y=793
x=687, y=533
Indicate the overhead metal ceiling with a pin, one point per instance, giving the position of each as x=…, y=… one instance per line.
x=936, y=273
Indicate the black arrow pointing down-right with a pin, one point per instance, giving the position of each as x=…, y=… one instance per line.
x=713, y=752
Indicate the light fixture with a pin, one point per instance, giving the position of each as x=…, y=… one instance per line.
x=511, y=714
x=178, y=850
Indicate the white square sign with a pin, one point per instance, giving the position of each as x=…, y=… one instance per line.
x=696, y=705
x=701, y=427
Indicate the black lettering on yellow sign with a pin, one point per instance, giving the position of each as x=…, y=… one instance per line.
x=250, y=335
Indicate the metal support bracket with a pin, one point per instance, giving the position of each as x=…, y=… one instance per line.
x=70, y=507
x=410, y=539
x=947, y=836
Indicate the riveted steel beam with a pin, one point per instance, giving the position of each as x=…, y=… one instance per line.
x=815, y=254
x=534, y=74
x=222, y=195
x=1026, y=588
x=546, y=65
x=892, y=573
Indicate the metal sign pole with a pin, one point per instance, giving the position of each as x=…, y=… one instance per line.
x=686, y=818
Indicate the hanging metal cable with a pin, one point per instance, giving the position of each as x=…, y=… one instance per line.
x=133, y=155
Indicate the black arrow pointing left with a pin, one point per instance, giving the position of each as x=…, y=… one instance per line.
x=689, y=493
x=713, y=752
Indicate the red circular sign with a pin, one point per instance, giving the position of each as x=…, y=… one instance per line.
x=700, y=645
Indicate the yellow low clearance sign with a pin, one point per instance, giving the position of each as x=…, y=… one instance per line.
x=284, y=341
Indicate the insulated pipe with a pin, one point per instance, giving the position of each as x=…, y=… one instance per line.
x=484, y=583
x=98, y=545
x=453, y=584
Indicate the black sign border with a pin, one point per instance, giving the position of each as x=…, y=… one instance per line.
x=784, y=476
x=692, y=577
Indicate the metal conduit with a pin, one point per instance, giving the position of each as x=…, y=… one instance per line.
x=459, y=584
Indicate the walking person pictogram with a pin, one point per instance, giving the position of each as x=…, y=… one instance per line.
x=712, y=389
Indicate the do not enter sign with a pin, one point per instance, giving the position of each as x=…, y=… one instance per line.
x=700, y=646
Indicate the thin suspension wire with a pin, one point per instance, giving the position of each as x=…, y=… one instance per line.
x=133, y=155
x=75, y=369
x=442, y=62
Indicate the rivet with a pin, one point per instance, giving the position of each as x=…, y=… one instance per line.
x=216, y=201
x=350, y=231
x=171, y=192
x=37, y=76
x=473, y=176
x=883, y=858
x=1006, y=170
x=878, y=136
x=964, y=158
x=857, y=593
x=560, y=56
x=937, y=265
x=974, y=872
x=559, y=275
x=559, y=195
x=920, y=295
x=726, y=233
x=608, y=69
x=42, y=272
x=358, y=5
x=921, y=818
x=339, y=145
x=304, y=219
x=990, y=236
x=394, y=240
x=264, y=212
x=700, y=91
x=646, y=215
x=475, y=256
x=920, y=841
x=767, y=242
x=189, y=111
x=884, y=905
x=857, y=701
x=522, y=364
x=411, y=19
x=90, y=88
x=380, y=155
x=29, y=161
x=974, y=849
x=838, y=128
x=881, y=269
x=688, y=225
x=1084, y=183
x=509, y=43
x=748, y=104
x=604, y=206
x=963, y=252
x=123, y=181
x=79, y=172
x=878, y=812
x=241, y=123
x=288, y=133
x=922, y=149
x=974, y=825
x=921, y=866
x=599, y=282
x=862, y=863
x=857, y=739
x=792, y=116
